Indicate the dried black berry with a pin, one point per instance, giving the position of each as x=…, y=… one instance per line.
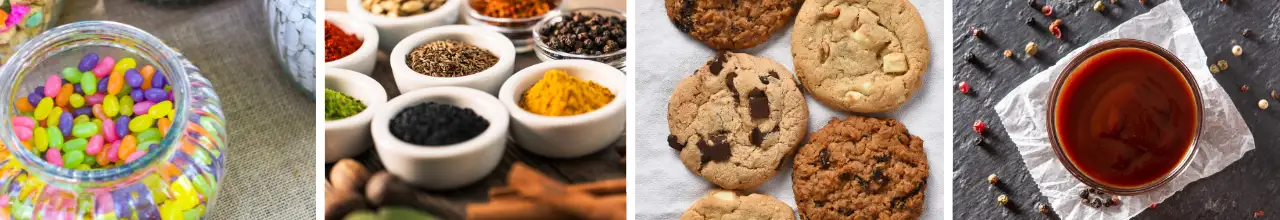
x=435, y=124
x=1030, y=21
x=969, y=57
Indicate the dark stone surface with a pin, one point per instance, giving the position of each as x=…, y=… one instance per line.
x=1244, y=187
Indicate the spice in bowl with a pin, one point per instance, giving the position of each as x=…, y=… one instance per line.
x=338, y=43
x=513, y=9
x=99, y=114
x=436, y=124
x=401, y=8
x=559, y=94
x=450, y=58
x=340, y=106
x=586, y=34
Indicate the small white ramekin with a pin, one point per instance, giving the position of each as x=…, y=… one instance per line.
x=567, y=136
x=392, y=29
x=489, y=80
x=349, y=136
x=363, y=58
x=443, y=167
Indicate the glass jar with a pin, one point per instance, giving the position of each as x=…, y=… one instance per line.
x=25, y=20
x=176, y=179
x=617, y=59
x=518, y=30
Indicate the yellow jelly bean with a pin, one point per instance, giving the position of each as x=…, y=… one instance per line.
x=54, y=117
x=161, y=109
x=41, y=139
x=126, y=106
x=142, y=122
x=42, y=109
x=81, y=119
x=77, y=100
x=124, y=64
x=110, y=106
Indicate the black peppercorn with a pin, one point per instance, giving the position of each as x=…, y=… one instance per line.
x=1030, y=21
x=1246, y=32
x=969, y=57
x=586, y=34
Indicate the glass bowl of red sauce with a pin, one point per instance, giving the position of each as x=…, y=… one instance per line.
x=1124, y=116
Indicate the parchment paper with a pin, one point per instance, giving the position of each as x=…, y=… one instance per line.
x=1224, y=137
x=665, y=189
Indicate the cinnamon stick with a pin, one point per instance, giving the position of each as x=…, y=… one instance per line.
x=542, y=189
x=523, y=209
x=598, y=188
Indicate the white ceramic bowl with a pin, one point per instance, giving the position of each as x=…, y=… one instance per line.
x=443, y=167
x=567, y=136
x=349, y=136
x=363, y=58
x=489, y=80
x=392, y=29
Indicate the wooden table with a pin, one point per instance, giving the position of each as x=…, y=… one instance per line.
x=606, y=164
x=1247, y=186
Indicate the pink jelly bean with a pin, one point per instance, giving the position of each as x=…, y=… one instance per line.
x=113, y=151
x=141, y=108
x=52, y=85
x=94, y=99
x=24, y=121
x=54, y=156
x=95, y=145
x=134, y=156
x=104, y=67
x=23, y=133
x=109, y=127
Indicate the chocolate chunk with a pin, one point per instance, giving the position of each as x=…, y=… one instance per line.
x=717, y=149
x=904, y=139
x=764, y=80
x=845, y=211
x=773, y=74
x=685, y=24
x=824, y=159
x=878, y=176
x=756, y=137
x=846, y=176
x=728, y=81
x=674, y=142
x=914, y=191
x=717, y=64
x=759, y=104
x=819, y=203
x=882, y=159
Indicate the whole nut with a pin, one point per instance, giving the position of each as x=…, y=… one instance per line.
x=385, y=189
x=412, y=6
x=349, y=175
x=1031, y=49
x=339, y=203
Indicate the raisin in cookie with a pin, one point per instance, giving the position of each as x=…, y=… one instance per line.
x=860, y=55
x=731, y=24
x=861, y=168
x=736, y=118
x=725, y=204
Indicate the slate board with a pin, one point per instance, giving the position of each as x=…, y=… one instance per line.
x=1245, y=187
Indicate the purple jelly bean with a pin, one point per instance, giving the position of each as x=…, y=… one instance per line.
x=86, y=110
x=88, y=62
x=65, y=122
x=102, y=86
x=133, y=78
x=122, y=126
x=158, y=80
x=76, y=87
x=141, y=108
x=156, y=95
x=136, y=94
x=35, y=97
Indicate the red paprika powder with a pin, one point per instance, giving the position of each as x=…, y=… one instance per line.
x=338, y=43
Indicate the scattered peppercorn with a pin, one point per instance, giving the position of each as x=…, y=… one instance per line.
x=1002, y=200
x=1237, y=50
x=993, y=179
x=1275, y=95
x=1031, y=49
x=977, y=141
x=1244, y=88
x=969, y=57
x=1008, y=53
x=586, y=33
x=1098, y=7
x=1094, y=197
x=1042, y=208
x=964, y=87
x=435, y=124
x=1030, y=21
x=1263, y=104
x=1054, y=28
x=975, y=31
x=449, y=58
x=1222, y=64
x=1246, y=33
x=979, y=127
x=1214, y=69
x=1047, y=10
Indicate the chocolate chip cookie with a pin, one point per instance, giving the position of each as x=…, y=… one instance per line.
x=731, y=24
x=725, y=204
x=860, y=55
x=736, y=118
x=861, y=168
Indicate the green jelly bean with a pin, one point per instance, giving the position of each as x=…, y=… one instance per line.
x=124, y=90
x=41, y=138
x=89, y=84
x=84, y=130
x=142, y=122
x=81, y=119
x=82, y=166
x=151, y=134
x=77, y=100
x=110, y=105
x=146, y=145
x=126, y=105
x=161, y=109
x=55, y=138
x=77, y=144
x=88, y=162
x=71, y=74
x=72, y=159
x=43, y=108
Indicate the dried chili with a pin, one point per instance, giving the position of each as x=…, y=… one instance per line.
x=513, y=8
x=338, y=43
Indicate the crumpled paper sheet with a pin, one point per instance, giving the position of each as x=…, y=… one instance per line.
x=1224, y=137
x=665, y=188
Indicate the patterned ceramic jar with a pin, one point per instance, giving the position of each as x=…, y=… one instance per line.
x=293, y=31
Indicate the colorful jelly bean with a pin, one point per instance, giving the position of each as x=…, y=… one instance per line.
x=23, y=105
x=158, y=81
x=65, y=122
x=43, y=109
x=55, y=138
x=109, y=129
x=161, y=109
x=77, y=144
x=124, y=64
x=95, y=145
x=142, y=108
x=73, y=159
x=112, y=152
x=110, y=106
x=54, y=157
x=41, y=138
x=126, y=106
x=84, y=130
x=115, y=82
x=89, y=84
x=156, y=95
x=88, y=62
x=149, y=135
x=104, y=67
x=54, y=115
x=133, y=78
x=94, y=99
x=76, y=100
x=52, y=85
x=23, y=121
x=64, y=95
x=71, y=74
x=23, y=133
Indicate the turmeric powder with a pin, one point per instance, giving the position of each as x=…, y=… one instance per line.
x=559, y=94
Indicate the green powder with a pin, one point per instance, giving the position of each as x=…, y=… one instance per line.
x=339, y=106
